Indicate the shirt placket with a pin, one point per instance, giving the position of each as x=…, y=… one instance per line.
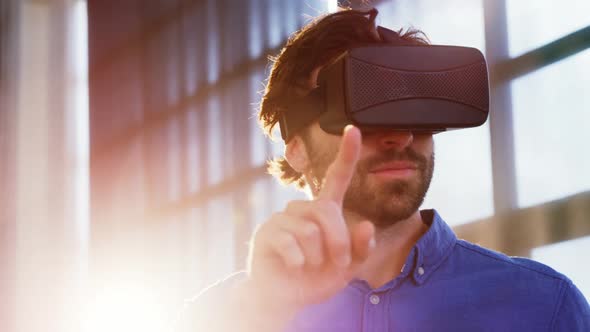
x=376, y=315
x=375, y=312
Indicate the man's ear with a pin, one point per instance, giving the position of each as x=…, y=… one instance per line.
x=296, y=154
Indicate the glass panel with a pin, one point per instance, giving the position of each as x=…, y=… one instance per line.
x=227, y=129
x=156, y=165
x=551, y=124
x=193, y=148
x=291, y=15
x=532, y=24
x=274, y=23
x=452, y=22
x=214, y=140
x=173, y=152
x=157, y=71
x=258, y=141
x=171, y=63
x=190, y=51
x=565, y=258
x=256, y=42
x=461, y=189
x=213, y=53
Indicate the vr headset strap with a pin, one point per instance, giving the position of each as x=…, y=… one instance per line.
x=302, y=113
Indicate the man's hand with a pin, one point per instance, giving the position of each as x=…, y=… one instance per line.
x=306, y=253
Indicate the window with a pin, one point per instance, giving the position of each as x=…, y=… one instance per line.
x=565, y=257
x=258, y=141
x=532, y=24
x=194, y=165
x=551, y=128
x=214, y=140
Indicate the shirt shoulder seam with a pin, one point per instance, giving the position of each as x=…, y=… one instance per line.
x=481, y=252
x=564, y=286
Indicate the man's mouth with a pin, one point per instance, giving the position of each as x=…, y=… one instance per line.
x=395, y=169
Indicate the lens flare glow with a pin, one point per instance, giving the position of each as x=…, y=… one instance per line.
x=124, y=308
x=332, y=5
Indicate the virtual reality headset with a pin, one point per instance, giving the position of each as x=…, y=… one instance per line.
x=430, y=88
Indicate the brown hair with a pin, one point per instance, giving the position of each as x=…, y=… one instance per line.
x=314, y=45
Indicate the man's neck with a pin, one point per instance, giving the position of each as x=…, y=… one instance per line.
x=393, y=244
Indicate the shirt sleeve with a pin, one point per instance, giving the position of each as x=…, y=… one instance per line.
x=573, y=313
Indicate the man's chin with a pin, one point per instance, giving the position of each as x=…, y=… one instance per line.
x=397, y=201
x=393, y=190
x=382, y=210
x=385, y=201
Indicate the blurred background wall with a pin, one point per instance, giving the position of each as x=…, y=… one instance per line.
x=132, y=168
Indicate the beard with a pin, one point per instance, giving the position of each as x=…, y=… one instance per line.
x=384, y=203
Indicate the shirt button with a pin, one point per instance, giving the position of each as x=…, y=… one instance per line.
x=374, y=299
x=420, y=270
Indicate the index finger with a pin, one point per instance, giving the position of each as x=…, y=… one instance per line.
x=340, y=172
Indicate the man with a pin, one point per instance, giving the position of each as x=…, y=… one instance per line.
x=360, y=255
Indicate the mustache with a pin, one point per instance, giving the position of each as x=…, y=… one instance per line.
x=407, y=154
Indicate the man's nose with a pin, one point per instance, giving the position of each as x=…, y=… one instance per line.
x=398, y=140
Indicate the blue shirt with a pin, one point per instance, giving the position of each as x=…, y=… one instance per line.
x=453, y=285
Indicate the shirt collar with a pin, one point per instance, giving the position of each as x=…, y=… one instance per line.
x=431, y=250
